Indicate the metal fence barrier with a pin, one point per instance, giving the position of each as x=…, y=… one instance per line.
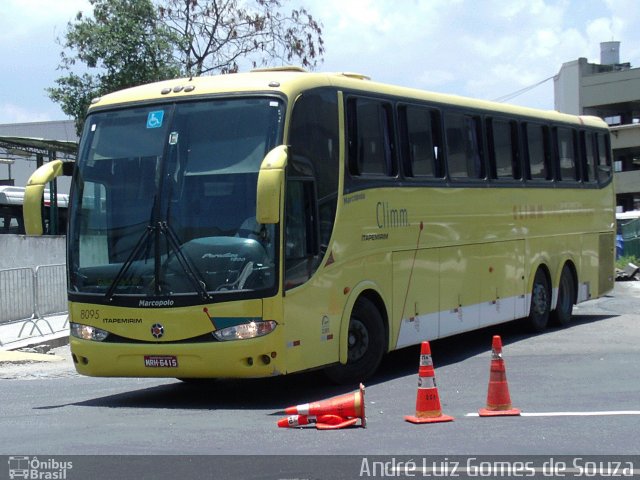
x=17, y=294
x=27, y=293
x=50, y=290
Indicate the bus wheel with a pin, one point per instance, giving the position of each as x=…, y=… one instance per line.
x=366, y=343
x=566, y=294
x=540, y=303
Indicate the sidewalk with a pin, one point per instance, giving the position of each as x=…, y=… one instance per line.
x=39, y=336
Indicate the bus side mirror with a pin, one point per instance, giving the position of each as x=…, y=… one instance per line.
x=32, y=206
x=270, y=185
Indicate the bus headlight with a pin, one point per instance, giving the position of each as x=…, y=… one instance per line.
x=245, y=330
x=86, y=332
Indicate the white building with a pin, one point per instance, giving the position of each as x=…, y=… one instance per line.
x=610, y=90
x=18, y=160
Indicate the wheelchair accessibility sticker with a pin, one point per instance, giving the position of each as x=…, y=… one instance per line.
x=154, y=119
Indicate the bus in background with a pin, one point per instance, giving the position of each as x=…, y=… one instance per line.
x=11, y=211
x=278, y=221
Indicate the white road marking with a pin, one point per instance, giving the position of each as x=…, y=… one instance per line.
x=571, y=414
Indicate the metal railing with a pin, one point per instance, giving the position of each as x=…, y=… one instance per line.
x=29, y=294
x=17, y=294
x=50, y=290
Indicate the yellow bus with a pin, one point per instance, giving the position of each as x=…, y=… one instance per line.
x=278, y=221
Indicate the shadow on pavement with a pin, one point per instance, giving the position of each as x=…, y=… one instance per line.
x=274, y=394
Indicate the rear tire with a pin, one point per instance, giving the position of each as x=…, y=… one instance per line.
x=566, y=295
x=366, y=345
x=540, y=303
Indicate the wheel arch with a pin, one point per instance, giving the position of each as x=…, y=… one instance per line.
x=369, y=291
x=543, y=265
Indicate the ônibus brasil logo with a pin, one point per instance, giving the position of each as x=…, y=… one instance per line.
x=35, y=468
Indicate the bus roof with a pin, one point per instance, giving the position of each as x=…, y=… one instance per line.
x=290, y=81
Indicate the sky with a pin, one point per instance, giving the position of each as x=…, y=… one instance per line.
x=479, y=48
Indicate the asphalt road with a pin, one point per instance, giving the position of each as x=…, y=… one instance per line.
x=578, y=388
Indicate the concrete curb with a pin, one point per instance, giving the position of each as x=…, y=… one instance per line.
x=12, y=337
x=39, y=344
x=12, y=356
x=59, y=339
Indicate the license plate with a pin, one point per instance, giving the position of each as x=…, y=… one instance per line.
x=160, y=361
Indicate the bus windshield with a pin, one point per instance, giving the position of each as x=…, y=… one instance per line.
x=165, y=199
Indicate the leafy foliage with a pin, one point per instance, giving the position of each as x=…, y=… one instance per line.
x=623, y=262
x=218, y=34
x=123, y=45
x=132, y=42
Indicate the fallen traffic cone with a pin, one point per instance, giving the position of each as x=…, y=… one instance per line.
x=321, y=422
x=334, y=422
x=348, y=406
x=428, y=408
x=293, y=421
x=498, y=399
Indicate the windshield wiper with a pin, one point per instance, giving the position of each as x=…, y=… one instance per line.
x=129, y=261
x=165, y=229
x=189, y=269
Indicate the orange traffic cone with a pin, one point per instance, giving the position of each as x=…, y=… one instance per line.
x=428, y=408
x=322, y=422
x=498, y=399
x=350, y=405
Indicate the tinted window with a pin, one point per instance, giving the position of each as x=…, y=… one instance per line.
x=464, y=149
x=314, y=151
x=423, y=142
x=604, y=159
x=566, y=154
x=590, y=161
x=503, y=139
x=538, y=152
x=370, y=138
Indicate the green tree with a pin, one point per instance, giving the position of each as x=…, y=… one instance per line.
x=122, y=45
x=217, y=35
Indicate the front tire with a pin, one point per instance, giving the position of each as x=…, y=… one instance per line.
x=540, y=303
x=366, y=345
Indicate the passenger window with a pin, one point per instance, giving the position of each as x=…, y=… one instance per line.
x=566, y=154
x=371, y=147
x=423, y=142
x=538, y=152
x=604, y=159
x=464, y=148
x=503, y=140
x=587, y=139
